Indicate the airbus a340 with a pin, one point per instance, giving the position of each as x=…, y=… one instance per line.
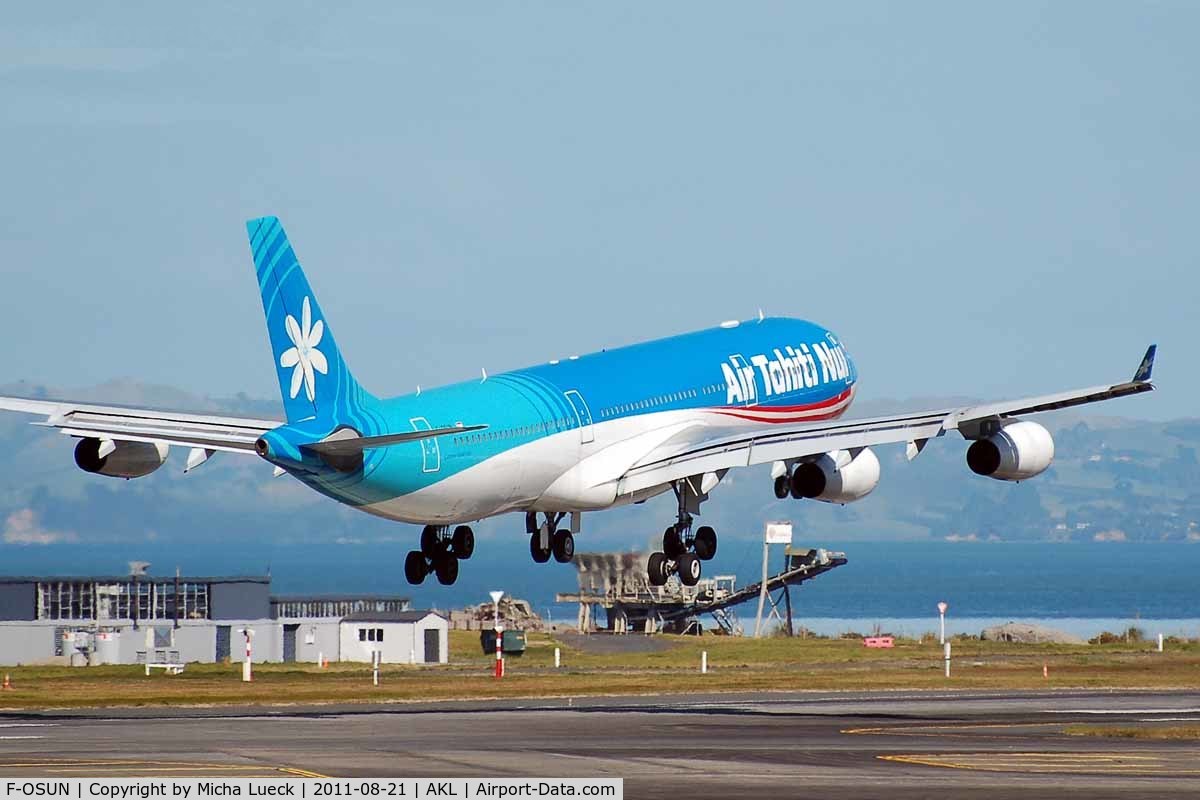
x=559, y=439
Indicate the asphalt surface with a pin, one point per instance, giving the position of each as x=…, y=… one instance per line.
x=799, y=744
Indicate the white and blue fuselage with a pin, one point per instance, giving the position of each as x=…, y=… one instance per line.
x=549, y=425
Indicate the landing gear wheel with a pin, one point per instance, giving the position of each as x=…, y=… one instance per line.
x=782, y=487
x=446, y=568
x=689, y=569
x=463, y=542
x=535, y=549
x=431, y=544
x=673, y=542
x=563, y=545
x=414, y=568
x=705, y=543
x=656, y=568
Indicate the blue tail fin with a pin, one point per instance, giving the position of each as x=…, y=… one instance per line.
x=313, y=378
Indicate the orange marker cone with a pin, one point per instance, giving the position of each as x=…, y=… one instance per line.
x=7, y=682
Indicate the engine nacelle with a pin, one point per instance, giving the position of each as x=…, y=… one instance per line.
x=1018, y=451
x=837, y=477
x=120, y=459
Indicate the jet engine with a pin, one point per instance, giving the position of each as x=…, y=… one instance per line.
x=841, y=476
x=1017, y=451
x=120, y=459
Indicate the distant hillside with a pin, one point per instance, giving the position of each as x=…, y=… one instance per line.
x=1115, y=479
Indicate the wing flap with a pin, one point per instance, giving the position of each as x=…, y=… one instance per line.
x=771, y=442
x=212, y=432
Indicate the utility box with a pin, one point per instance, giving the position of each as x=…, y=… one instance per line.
x=512, y=644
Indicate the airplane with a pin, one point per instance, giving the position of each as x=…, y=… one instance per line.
x=559, y=439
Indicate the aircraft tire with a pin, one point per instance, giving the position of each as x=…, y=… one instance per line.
x=414, y=567
x=562, y=544
x=656, y=569
x=689, y=569
x=446, y=568
x=431, y=544
x=673, y=542
x=540, y=556
x=705, y=543
x=463, y=542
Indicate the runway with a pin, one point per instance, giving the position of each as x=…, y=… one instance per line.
x=797, y=744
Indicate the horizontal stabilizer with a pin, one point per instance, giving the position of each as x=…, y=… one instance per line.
x=353, y=446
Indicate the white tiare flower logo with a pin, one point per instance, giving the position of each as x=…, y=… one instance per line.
x=304, y=357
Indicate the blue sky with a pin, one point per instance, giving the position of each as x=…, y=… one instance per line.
x=980, y=200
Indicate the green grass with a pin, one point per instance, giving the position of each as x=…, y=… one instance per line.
x=735, y=664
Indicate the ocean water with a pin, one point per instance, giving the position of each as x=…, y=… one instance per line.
x=1084, y=587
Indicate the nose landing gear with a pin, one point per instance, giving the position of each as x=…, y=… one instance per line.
x=440, y=553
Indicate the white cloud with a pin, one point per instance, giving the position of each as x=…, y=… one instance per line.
x=22, y=527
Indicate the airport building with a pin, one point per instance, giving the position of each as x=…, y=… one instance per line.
x=134, y=619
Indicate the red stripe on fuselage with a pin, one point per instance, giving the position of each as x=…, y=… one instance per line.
x=802, y=413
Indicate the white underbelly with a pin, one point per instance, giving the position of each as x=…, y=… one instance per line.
x=538, y=476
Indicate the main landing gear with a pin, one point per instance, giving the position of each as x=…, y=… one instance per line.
x=440, y=553
x=683, y=550
x=545, y=541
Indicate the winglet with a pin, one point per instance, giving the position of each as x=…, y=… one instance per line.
x=1147, y=366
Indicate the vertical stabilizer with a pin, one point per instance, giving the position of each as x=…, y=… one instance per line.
x=313, y=378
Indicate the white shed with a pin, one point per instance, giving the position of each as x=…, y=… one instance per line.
x=401, y=637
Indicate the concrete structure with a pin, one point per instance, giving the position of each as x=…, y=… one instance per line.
x=131, y=620
x=403, y=637
x=1028, y=633
x=620, y=584
x=515, y=612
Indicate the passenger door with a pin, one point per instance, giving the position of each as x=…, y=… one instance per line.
x=582, y=413
x=431, y=455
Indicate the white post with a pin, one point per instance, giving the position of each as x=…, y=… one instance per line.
x=499, y=631
x=947, y=646
x=247, y=672
x=557, y=659
x=320, y=659
x=942, y=619
x=1160, y=643
x=762, y=592
x=773, y=533
x=375, y=654
x=704, y=662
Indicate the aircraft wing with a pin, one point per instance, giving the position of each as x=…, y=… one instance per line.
x=705, y=449
x=230, y=434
